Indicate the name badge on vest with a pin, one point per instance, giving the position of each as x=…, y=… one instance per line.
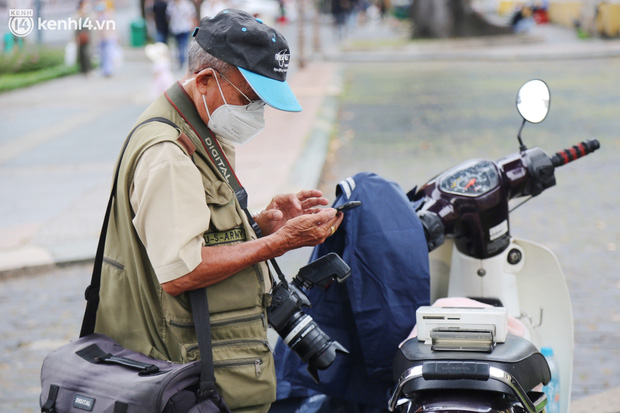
x=224, y=237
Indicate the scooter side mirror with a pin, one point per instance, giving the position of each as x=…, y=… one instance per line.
x=533, y=101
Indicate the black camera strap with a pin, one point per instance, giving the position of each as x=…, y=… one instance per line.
x=178, y=97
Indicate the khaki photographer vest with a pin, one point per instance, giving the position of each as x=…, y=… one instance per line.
x=135, y=311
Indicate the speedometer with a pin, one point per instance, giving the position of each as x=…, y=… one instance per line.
x=472, y=178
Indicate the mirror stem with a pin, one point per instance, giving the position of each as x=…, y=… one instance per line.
x=522, y=147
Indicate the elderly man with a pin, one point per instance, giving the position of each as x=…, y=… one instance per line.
x=179, y=221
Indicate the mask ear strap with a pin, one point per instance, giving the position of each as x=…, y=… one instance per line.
x=219, y=87
x=221, y=94
x=206, y=107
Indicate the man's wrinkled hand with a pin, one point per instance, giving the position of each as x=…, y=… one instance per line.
x=309, y=229
x=285, y=207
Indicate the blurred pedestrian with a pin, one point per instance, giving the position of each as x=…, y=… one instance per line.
x=354, y=12
x=161, y=20
x=282, y=16
x=107, y=42
x=384, y=7
x=340, y=11
x=181, y=21
x=522, y=21
x=163, y=78
x=373, y=13
x=82, y=38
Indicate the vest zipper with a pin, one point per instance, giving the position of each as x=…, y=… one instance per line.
x=114, y=263
x=243, y=319
x=181, y=325
x=257, y=369
x=242, y=362
x=241, y=341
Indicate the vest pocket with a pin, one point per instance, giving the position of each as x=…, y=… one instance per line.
x=244, y=372
x=247, y=324
x=239, y=325
x=221, y=201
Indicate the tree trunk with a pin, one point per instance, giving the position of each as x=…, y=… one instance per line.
x=450, y=18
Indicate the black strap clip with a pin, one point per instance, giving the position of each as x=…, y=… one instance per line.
x=50, y=404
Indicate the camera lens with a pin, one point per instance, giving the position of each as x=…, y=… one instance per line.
x=305, y=338
x=299, y=331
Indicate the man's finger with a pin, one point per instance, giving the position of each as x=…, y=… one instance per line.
x=312, y=202
x=309, y=193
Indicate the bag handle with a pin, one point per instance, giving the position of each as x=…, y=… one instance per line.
x=94, y=354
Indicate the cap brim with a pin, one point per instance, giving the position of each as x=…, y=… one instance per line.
x=273, y=92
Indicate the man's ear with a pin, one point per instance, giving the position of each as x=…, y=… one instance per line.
x=202, y=80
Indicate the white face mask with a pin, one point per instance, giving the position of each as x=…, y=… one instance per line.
x=237, y=124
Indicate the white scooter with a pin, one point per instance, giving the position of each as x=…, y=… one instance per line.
x=465, y=213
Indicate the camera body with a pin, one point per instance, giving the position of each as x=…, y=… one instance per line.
x=297, y=329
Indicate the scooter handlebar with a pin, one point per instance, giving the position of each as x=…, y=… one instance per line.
x=575, y=152
x=526, y=173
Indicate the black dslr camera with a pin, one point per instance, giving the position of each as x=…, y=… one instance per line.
x=298, y=330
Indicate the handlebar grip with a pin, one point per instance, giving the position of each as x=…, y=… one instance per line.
x=575, y=152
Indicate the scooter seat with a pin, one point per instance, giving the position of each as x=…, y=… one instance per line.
x=516, y=356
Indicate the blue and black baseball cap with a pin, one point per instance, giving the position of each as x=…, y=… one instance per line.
x=260, y=53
